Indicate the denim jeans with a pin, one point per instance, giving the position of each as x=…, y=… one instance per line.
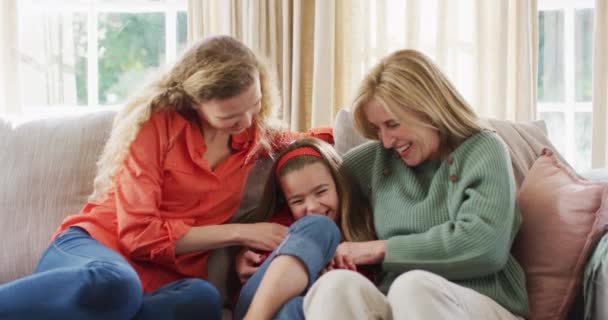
x=79, y=278
x=313, y=240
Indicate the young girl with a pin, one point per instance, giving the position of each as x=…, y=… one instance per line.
x=306, y=185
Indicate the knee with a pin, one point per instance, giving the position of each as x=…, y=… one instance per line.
x=318, y=227
x=413, y=286
x=337, y=284
x=110, y=287
x=343, y=292
x=201, y=298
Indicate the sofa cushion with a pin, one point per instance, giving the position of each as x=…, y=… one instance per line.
x=345, y=135
x=46, y=173
x=563, y=218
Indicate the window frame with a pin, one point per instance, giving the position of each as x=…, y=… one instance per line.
x=92, y=8
x=569, y=107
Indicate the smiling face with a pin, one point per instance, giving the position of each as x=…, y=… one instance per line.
x=311, y=190
x=232, y=115
x=414, y=144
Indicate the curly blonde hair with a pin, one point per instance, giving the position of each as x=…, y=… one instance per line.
x=219, y=67
x=407, y=80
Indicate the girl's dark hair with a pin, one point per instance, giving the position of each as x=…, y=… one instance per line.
x=354, y=214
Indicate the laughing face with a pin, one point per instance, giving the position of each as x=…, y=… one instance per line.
x=311, y=190
x=414, y=143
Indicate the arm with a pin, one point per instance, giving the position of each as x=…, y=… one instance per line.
x=484, y=220
x=146, y=235
x=263, y=236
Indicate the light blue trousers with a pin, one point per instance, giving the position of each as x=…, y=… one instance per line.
x=312, y=239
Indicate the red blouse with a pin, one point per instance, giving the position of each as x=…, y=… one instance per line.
x=164, y=188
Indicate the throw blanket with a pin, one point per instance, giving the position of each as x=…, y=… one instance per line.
x=599, y=258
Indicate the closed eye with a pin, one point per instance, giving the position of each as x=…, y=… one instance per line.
x=392, y=124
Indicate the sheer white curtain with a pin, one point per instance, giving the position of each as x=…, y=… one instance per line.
x=599, y=150
x=10, y=93
x=487, y=48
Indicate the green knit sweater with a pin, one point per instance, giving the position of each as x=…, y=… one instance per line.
x=456, y=218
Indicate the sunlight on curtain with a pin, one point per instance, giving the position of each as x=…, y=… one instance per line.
x=9, y=59
x=487, y=48
x=599, y=150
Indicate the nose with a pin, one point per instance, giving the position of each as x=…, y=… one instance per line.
x=387, y=140
x=246, y=120
x=313, y=206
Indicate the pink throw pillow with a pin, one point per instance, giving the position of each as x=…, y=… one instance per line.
x=563, y=218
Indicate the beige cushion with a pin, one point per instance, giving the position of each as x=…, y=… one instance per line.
x=46, y=173
x=526, y=141
x=346, y=136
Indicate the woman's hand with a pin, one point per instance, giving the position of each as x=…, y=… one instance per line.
x=359, y=253
x=342, y=261
x=247, y=263
x=264, y=236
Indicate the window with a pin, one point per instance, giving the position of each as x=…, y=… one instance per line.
x=79, y=54
x=565, y=30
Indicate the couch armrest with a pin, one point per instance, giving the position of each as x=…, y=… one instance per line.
x=600, y=174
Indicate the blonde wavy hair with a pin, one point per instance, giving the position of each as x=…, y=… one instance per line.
x=407, y=80
x=354, y=215
x=214, y=68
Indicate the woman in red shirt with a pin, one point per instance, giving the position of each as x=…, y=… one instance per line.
x=170, y=176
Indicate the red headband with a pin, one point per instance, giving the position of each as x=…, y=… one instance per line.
x=304, y=151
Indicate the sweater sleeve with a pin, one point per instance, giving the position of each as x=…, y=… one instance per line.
x=476, y=241
x=143, y=233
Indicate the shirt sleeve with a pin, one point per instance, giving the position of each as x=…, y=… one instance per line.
x=144, y=235
x=477, y=240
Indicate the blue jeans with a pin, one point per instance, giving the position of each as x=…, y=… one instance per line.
x=313, y=240
x=79, y=278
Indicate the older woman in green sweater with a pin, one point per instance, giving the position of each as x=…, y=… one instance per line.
x=443, y=195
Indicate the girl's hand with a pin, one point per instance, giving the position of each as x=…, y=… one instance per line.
x=247, y=263
x=264, y=236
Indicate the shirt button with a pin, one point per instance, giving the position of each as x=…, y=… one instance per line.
x=450, y=160
x=453, y=178
x=386, y=172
